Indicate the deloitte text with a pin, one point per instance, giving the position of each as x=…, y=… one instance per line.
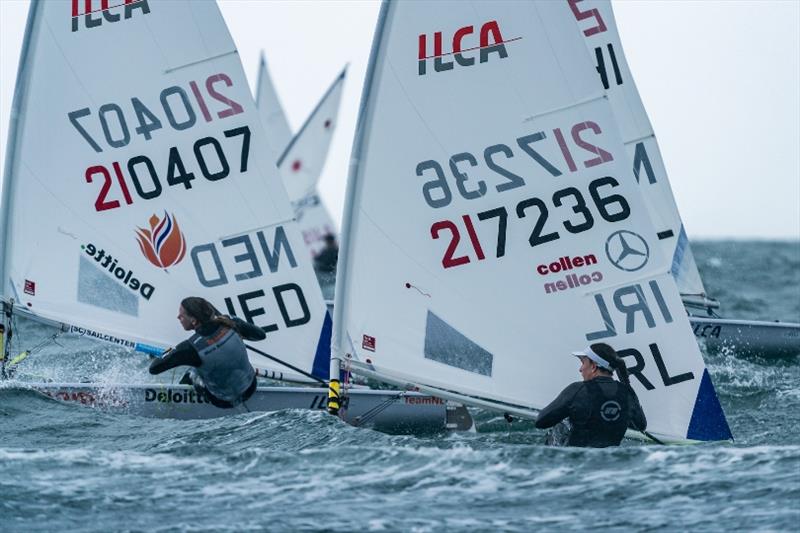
x=173, y=396
x=125, y=276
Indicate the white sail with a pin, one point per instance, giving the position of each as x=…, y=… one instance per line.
x=134, y=178
x=598, y=28
x=301, y=165
x=270, y=109
x=492, y=224
x=303, y=156
x=302, y=160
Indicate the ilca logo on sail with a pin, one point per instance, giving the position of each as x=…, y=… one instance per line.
x=627, y=250
x=96, y=12
x=163, y=244
x=490, y=41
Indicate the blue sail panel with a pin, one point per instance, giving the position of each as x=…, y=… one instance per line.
x=322, y=359
x=708, y=419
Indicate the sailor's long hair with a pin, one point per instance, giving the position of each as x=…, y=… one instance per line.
x=205, y=313
x=614, y=361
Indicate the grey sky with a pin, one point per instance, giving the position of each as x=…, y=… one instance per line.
x=720, y=81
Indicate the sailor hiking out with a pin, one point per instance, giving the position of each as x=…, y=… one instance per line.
x=222, y=371
x=599, y=409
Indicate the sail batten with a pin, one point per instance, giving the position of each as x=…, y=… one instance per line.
x=200, y=61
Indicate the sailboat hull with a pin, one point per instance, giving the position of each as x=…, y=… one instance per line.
x=748, y=337
x=388, y=411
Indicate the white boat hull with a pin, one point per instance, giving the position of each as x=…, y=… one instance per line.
x=748, y=337
x=388, y=411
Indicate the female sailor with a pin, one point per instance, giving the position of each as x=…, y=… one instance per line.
x=599, y=409
x=221, y=370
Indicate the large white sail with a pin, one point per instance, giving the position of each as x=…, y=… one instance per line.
x=492, y=224
x=599, y=29
x=135, y=178
x=270, y=110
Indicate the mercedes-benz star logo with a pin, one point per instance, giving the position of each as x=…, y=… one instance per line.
x=627, y=250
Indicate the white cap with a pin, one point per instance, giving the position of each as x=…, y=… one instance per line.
x=599, y=361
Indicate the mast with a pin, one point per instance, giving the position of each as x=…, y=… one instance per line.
x=18, y=107
x=339, y=340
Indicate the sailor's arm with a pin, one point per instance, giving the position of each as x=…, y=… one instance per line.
x=249, y=331
x=183, y=354
x=558, y=409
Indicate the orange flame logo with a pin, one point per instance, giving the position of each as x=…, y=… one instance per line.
x=163, y=244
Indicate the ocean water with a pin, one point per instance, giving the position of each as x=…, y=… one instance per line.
x=68, y=467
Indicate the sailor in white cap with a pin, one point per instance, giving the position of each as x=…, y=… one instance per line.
x=598, y=408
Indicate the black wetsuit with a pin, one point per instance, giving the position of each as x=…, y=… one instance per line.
x=185, y=353
x=600, y=410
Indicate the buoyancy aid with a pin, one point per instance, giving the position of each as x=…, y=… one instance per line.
x=226, y=371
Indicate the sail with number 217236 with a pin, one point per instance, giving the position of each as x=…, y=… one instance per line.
x=492, y=192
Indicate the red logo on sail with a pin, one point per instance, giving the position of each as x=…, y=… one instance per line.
x=163, y=244
x=490, y=41
x=95, y=12
x=368, y=343
x=30, y=287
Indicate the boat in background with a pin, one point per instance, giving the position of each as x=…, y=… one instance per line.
x=598, y=28
x=302, y=157
x=492, y=224
x=270, y=109
x=157, y=180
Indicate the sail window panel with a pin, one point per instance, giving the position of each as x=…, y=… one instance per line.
x=96, y=288
x=447, y=345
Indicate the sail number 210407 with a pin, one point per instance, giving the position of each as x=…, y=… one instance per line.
x=179, y=112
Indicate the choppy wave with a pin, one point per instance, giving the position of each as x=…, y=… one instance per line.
x=68, y=467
